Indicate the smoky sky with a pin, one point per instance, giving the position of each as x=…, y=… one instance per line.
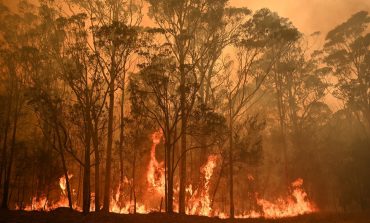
x=308, y=16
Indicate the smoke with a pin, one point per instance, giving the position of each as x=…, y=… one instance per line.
x=310, y=15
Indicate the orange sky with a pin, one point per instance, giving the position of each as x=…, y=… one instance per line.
x=308, y=15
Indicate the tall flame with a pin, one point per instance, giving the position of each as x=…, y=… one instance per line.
x=199, y=200
x=43, y=204
x=155, y=174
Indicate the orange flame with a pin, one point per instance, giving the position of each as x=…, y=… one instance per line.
x=199, y=200
x=155, y=174
x=43, y=204
x=295, y=204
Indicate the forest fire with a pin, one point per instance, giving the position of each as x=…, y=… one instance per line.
x=187, y=110
x=296, y=204
x=155, y=174
x=199, y=200
x=42, y=203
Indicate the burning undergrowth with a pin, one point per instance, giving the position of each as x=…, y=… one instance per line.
x=199, y=199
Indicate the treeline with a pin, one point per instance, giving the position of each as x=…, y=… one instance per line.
x=83, y=84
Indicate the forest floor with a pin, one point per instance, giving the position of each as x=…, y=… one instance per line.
x=63, y=215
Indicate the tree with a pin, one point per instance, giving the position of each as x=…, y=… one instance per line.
x=264, y=38
x=300, y=87
x=348, y=55
x=182, y=22
x=113, y=31
x=14, y=73
x=154, y=94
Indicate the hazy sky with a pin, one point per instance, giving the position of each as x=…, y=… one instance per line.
x=308, y=15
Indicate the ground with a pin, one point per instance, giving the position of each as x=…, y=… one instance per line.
x=63, y=215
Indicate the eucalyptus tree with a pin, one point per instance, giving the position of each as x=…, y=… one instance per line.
x=299, y=85
x=191, y=29
x=79, y=71
x=112, y=38
x=15, y=41
x=348, y=55
x=154, y=94
x=263, y=39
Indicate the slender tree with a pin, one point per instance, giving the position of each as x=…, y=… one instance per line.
x=348, y=55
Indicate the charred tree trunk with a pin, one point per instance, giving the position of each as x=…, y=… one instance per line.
x=95, y=140
x=86, y=177
x=122, y=129
x=133, y=189
x=169, y=166
x=11, y=156
x=281, y=110
x=231, y=164
x=65, y=170
x=183, y=141
x=108, y=164
x=218, y=183
x=6, y=131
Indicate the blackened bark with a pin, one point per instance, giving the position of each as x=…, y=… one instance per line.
x=183, y=141
x=65, y=170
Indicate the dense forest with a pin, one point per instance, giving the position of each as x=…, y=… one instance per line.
x=188, y=106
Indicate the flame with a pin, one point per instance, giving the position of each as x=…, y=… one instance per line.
x=43, y=204
x=38, y=204
x=126, y=207
x=63, y=183
x=155, y=178
x=155, y=173
x=296, y=204
x=199, y=201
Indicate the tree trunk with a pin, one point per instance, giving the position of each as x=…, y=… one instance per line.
x=97, y=166
x=6, y=131
x=169, y=173
x=65, y=170
x=231, y=165
x=281, y=109
x=133, y=191
x=113, y=75
x=108, y=164
x=218, y=183
x=86, y=178
x=183, y=142
x=9, y=168
x=122, y=129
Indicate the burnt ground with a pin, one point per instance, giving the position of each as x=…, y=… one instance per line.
x=63, y=215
